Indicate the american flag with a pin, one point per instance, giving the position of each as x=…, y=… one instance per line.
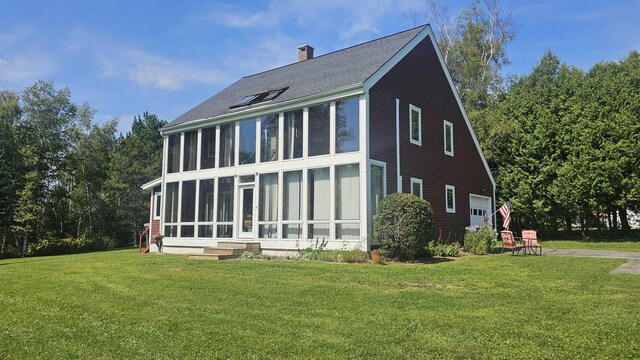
x=505, y=211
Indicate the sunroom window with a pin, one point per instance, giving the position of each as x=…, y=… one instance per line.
x=319, y=120
x=293, y=126
x=268, y=206
x=171, y=210
x=208, y=148
x=292, y=205
x=205, y=209
x=173, y=154
x=269, y=138
x=347, y=125
x=225, y=207
x=348, y=202
x=247, y=142
x=188, y=209
x=190, y=151
x=227, y=148
x=318, y=188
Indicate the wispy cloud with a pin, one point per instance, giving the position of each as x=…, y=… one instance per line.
x=155, y=71
x=20, y=60
x=361, y=17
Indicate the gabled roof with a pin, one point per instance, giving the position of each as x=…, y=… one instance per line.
x=336, y=70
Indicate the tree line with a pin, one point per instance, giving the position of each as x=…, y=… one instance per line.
x=66, y=181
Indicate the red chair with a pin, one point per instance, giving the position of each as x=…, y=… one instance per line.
x=509, y=242
x=531, y=242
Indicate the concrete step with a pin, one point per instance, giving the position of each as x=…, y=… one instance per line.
x=223, y=251
x=252, y=246
x=211, y=257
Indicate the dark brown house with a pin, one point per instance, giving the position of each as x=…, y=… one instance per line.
x=304, y=153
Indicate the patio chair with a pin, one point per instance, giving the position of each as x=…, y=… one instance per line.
x=509, y=242
x=531, y=242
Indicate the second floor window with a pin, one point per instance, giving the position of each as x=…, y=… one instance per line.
x=347, y=125
x=173, y=155
x=448, y=138
x=415, y=125
x=190, y=150
x=269, y=138
x=227, y=148
x=319, y=122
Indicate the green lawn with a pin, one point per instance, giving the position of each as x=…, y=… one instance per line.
x=121, y=304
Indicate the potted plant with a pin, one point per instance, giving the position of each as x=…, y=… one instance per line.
x=377, y=255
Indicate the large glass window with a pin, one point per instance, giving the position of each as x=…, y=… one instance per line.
x=205, y=208
x=319, y=120
x=292, y=209
x=173, y=155
x=347, y=202
x=225, y=207
x=415, y=125
x=208, y=148
x=190, y=150
x=318, y=203
x=227, y=148
x=247, y=142
x=293, y=126
x=188, y=208
x=268, y=206
x=347, y=125
x=171, y=210
x=269, y=138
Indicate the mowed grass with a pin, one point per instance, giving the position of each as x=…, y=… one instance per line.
x=120, y=304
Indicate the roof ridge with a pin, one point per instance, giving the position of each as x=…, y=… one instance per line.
x=336, y=51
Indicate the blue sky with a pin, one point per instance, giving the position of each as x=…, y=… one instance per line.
x=127, y=57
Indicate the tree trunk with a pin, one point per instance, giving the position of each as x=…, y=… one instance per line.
x=24, y=247
x=624, y=221
x=610, y=226
x=614, y=216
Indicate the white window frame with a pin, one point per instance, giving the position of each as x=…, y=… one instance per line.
x=157, y=204
x=444, y=130
x=417, y=181
x=413, y=108
x=450, y=209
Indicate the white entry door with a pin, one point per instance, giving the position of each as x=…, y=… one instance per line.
x=246, y=208
x=479, y=207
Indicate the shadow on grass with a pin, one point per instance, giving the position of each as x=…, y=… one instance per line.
x=44, y=257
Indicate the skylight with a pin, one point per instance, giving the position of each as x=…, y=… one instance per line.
x=258, y=98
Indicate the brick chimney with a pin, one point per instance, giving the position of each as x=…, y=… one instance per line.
x=305, y=52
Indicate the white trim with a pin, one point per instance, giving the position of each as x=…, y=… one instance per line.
x=398, y=176
x=417, y=181
x=446, y=198
x=444, y=130
x=413, y=108
x=151, y=184
x=270, y=109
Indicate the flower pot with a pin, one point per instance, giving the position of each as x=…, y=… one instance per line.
x=376, y=256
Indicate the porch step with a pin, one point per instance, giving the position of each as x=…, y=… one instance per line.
x=211, y=256
x=227, y=250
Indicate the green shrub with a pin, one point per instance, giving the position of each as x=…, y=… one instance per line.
x=446, y=250
x=70, y=245
x=480, y=239
x=403, y=225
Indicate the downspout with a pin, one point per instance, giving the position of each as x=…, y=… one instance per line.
x=398, y=177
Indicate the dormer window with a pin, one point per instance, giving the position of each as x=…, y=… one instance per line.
x=258, y=98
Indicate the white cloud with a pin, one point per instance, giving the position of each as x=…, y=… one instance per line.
x=155, y=71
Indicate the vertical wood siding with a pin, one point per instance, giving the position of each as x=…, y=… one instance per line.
x=420, y=80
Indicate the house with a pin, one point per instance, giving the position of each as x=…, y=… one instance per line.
x=303, y=153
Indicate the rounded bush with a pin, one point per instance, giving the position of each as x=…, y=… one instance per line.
x=403, y=225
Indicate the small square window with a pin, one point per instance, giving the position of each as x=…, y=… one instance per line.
x=415, y=125
x=450, y=197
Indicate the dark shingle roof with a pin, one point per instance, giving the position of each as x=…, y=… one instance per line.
x=339, y=69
